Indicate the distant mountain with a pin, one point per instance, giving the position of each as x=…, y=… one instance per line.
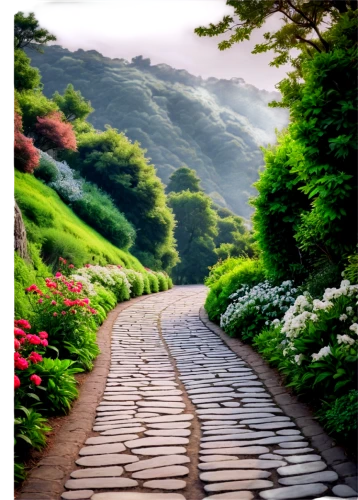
x=213, y=126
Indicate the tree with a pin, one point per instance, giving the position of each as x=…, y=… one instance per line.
x=29, y=34
x=195, y=233
x=53, y=133
x=182, y=179
x=34, y=104
x=72, y=104
x=120, y=168
x=25, y=77
x=26, y=156
x=303, y=28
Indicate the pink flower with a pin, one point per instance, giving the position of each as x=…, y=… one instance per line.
x=17, y=344
x=33, y=339
x=44, y=342
x=35, y=379
x=55, y=314
x=40, y=301
x=35, y=357
x=17, y=382
x=63, y=313
x=58, y=275
x=18, y=331
x=24, y=323
x=21, y=363
x=53, y=302
x=43, y=335
x=86, y=301
x=71, y=266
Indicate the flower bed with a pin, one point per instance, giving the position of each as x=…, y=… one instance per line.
x=60, y=341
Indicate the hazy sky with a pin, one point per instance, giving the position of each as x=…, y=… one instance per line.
x=162, y=30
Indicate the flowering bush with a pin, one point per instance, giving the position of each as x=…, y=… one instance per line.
x=26, y=156
x=253, y=308
x=69, y=188
x=316, y=347
x=54, y=133
x=113, y=278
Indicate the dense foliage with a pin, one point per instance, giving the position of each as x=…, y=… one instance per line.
x=212, y=126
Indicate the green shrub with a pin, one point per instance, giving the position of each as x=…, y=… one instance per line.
x=351, y=270
x=46, y=170
x=269, y=343
x=170, y=282
x=163, y=282
x=98, y=210
x=154, y=282
x=136, y=281
x=220, y=268
x=59, y=382
x=246, y=272
x=146, y=283
x=340, y=417
x=254, y=307
x=327, y=276
x=30, y=429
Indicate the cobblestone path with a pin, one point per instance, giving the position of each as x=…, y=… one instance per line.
x=184, y=418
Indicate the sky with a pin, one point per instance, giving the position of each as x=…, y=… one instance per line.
x=162, y=30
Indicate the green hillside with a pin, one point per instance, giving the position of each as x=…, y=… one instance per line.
x=213, y=126
x=59, y=232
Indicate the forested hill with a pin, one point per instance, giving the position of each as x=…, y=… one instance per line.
x=213, y=126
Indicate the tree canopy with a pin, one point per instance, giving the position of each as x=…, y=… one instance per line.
x=182, y=179
x=28, y=32
x=72, y=104
x=302, y=24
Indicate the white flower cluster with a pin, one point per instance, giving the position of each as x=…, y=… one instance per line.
x=110, y=276
x=305, y=309
x=262, y=299
x=69, y=188
x=86, y=282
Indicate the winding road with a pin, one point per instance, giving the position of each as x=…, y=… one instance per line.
x=185, y=418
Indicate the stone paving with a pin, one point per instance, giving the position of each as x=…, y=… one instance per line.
x=185, y=418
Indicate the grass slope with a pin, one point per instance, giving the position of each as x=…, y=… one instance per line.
x=59, y=232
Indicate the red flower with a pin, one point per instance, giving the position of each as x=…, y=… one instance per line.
x=24, y=323
x=33, y=339
x=43, y=335
x=35, y=357
x=71, y=266
x=87, y=265
x=40, y=301
x=86, y=301
x=21, y=363
x=35, y=379
x=19, y=332
x=16, y=355
x=58, y=275
x=17, y=344
x=17, y=382
x=53, y=302
x=54, y=314
x=44, y=342
x=63, y=313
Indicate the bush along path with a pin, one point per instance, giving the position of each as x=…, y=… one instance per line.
x=183, y=417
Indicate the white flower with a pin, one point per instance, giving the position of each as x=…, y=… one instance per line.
x=354, y=328
x=345, y=339
x=299, y=358
x=349, y=310
x=322, y=353
x=345, y=283
x=343, y=317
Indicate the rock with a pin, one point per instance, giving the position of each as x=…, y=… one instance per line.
x=165, y=484
x=161, y=472
x=100, y=483
x=302, y=491
x=342, y=490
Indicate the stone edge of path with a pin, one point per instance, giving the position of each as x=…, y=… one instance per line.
x=300, y=413
x=46, y=481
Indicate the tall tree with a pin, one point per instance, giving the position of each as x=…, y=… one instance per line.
x=72, y=104
x=304, y=27
x=182, y=179
x=29, y=34
x=195, y=233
